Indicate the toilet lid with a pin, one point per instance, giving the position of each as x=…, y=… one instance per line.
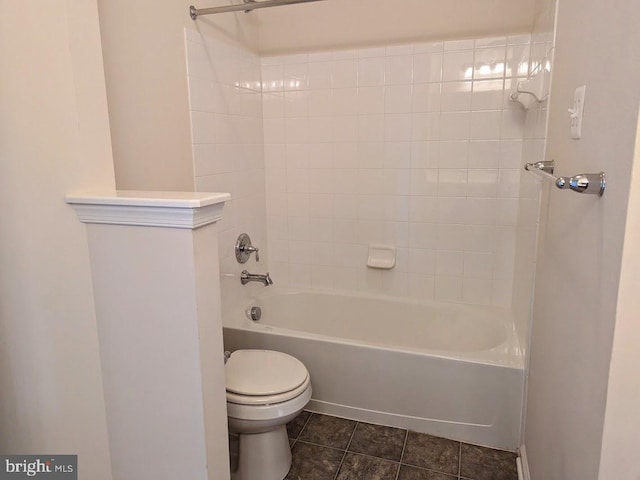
x=263, y=373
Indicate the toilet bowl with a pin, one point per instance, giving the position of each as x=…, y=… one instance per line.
x=265, y=390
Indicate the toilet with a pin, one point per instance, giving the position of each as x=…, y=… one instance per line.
x=265, y=390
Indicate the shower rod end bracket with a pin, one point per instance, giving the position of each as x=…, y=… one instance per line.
x=544, y=166
x=193, y=12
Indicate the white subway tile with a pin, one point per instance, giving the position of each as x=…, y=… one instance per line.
x=454, y=154
x=320, y=129
x=489, y=63
x=345, y=54
x=397, y=99
x=397, y=127
x=427, y=68
x=320, y=103
x=456, y=96
x=345, y=128
x=451, y=237
x=511, y=154
x=320, y=75
x=487, y=94
x=452, y=210
x=466, y=44
x=513, y=124
x=423, y=209
x=490, y=42
x=345, y=231
x=422, y=235
x=421, y=287
x=425, y=154
x=345, y=101
x=345, y=73
x=371, y=100
x=485, y=125
x=346, y=279
x=322, y=276
x=397, y=155
x=424, y=182
x=426, y=97
x=394, y=283
x=371, y=71
x=476, y=291
x=452, y=182
x=345, y=155
x=345, y=206
x=300, y=275
x=406, y=49
x=478, y=265
x=370, y=154
x=483, y=183
x=398, y=70
x=422, y=261
x=371, y=128
x=484, y=154
x=457, y=66
x=455, y=125
x=449, y=263
x=448, y=289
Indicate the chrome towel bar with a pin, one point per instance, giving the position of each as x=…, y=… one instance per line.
x=248, y=6
x=589, y=183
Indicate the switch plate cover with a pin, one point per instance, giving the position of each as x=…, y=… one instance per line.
x=576, y=112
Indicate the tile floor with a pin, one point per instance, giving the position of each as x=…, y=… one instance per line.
x=332, y=448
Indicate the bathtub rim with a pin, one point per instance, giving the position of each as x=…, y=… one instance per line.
x=237, y=319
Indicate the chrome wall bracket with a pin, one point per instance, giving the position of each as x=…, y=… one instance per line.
x=588, y=183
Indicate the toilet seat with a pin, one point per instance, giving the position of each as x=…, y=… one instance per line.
x=264, y=377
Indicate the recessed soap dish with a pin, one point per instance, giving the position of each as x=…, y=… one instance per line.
x=381, y=256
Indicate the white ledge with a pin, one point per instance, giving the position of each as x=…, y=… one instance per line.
x=152, y=209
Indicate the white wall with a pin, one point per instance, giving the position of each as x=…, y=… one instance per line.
x=54, y=139
x=622, y=419
x=145, y=63
x=347, y=23
x=581, y=252
x=415, y=146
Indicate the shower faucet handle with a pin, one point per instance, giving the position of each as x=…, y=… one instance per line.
x=244, y=249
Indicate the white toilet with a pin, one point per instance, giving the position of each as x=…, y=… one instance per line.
x=265, y=390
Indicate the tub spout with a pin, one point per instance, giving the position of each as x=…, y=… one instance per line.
x=246, y=277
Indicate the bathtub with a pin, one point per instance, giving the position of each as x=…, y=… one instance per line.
x=445, y=369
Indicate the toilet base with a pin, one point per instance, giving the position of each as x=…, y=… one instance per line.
x=263, y=456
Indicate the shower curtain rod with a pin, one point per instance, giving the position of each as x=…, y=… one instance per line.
x=246, y=7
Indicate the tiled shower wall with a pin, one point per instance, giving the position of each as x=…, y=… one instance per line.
x=531, y=186
x=226, y=123
x=412, y=146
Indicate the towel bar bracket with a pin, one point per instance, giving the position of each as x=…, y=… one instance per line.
x=587, y=183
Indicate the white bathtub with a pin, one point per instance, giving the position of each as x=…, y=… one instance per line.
x=449, y=370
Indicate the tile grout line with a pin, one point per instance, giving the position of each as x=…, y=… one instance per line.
x=459, y=460
x=303, y=427
x=345, y=451
x=404, y=445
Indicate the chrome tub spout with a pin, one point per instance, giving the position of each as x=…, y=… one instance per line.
x=246, y=277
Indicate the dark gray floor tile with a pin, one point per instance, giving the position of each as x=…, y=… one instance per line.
x=295, y=426
x=313, y=462
x=431, y=452
x=415, y=473
x=360, y=467
x=378, y=441
x=329, y=431
x=481, y=463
